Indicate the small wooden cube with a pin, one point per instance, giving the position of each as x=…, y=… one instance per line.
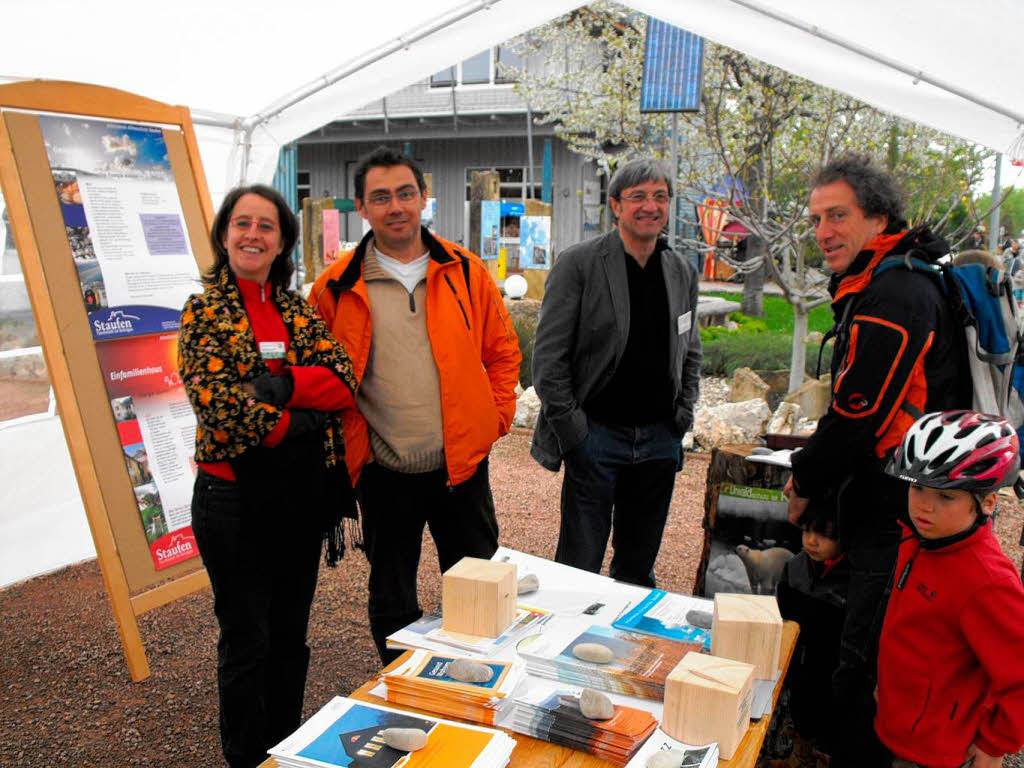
x=708, y=699
x=748, y=628
x=478, y=597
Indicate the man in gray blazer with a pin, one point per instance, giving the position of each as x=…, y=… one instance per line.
x=616, y=365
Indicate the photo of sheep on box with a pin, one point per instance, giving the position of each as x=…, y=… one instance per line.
x=748, y=538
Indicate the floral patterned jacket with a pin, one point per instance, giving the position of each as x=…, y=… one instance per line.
x=217, y=353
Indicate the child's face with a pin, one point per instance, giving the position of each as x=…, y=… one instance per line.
x=937, y=513
x=819, y=547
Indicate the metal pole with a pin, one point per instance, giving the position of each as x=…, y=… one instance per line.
x=529, y=152
x=672, y=187
x=993, y=222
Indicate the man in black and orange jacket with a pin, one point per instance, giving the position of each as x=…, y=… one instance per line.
x=898, y=352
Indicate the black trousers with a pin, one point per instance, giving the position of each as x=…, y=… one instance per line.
x=395, y=506
x=264, y=574
x=872, y=558
x=623, y=475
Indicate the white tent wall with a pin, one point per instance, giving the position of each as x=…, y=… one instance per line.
x=233, y=64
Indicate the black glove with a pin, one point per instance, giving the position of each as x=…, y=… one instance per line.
x=275, y=389
x=305, y=424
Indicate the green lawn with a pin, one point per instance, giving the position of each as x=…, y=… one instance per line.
x=778, y=314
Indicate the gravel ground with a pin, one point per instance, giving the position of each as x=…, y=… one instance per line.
x=68, y=699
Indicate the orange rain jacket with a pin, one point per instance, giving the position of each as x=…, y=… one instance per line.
x=471, y=336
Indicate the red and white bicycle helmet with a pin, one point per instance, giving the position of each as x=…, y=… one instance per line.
x=965, y=450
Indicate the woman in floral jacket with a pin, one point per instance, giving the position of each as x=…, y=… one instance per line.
x=267, y=382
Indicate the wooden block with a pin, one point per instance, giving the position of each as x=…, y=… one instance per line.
x=707, y=699
x=748, y=628
x=478, y=597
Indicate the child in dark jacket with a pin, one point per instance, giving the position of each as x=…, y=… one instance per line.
x=812, y=592
x=950, y=664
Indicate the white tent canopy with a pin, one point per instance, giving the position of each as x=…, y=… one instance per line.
x=261, y=74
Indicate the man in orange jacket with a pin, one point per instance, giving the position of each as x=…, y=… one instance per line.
x=437, y=362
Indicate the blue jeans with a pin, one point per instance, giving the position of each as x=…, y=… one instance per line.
x=618, y=481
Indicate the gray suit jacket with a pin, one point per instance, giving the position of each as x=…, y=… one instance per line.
x=581, y=336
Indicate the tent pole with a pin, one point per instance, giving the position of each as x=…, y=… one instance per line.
x=403, y=41
x=993, y=222
x=811, y=29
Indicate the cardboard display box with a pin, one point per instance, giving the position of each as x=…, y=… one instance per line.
x=748, y=628
x=478, y=597
x=708, y=698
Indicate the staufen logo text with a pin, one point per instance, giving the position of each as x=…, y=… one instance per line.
x=117, y=322
x=177, y=549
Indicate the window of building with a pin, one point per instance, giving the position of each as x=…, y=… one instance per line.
x=302, y=186
x=512, y=183
x=480, y=69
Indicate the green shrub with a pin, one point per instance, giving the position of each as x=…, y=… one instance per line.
x=724, y=353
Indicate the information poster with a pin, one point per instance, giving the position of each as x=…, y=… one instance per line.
x=157, y=428
x=535, y=242
x=332, y=236
x=124, y=223
x=490, y=223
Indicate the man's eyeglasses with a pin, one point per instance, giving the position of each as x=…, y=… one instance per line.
x=639, y=198
x=403, y=195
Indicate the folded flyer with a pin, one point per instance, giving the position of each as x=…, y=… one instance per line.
x=672, y=616
x=346, y=732
x=694, y=756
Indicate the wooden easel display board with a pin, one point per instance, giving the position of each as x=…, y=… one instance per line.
x=56, y=257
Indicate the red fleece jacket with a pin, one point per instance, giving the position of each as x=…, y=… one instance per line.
x=951, y=659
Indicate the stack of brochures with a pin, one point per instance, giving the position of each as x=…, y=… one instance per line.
x=427, y=633
x=639, y=667
x=550, y=712
x=672, y=616
x=349, y=733
x=422, y=682
x=694, y=757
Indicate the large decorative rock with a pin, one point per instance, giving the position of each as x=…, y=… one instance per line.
x=527, y=409
x=595, y=705
x=747, y=385
x=405, y=739
x=812, y=396
x=784, y=420
x=731, y=423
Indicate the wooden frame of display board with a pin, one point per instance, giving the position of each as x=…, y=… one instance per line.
x=133, y=584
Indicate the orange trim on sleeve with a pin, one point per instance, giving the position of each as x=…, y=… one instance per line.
x=915, y=392
x=892, y=369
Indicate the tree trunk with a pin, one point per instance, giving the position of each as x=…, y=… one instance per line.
x=753, y=282
x=799, y=357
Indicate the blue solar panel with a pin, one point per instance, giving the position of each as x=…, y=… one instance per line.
x=673, y=69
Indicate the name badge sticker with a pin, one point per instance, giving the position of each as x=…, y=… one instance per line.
x=272, y=350
x=684, y=322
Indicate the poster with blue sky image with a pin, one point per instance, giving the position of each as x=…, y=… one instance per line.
x=124, y=223
x=535, y=242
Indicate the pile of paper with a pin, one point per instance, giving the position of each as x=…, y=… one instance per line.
x=691, y=756
x=550, y=712
x=639, y=666
x=422, y=682
x=347, y=732
x=427, y=633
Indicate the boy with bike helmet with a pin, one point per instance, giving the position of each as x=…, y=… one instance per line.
x=951, y=656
